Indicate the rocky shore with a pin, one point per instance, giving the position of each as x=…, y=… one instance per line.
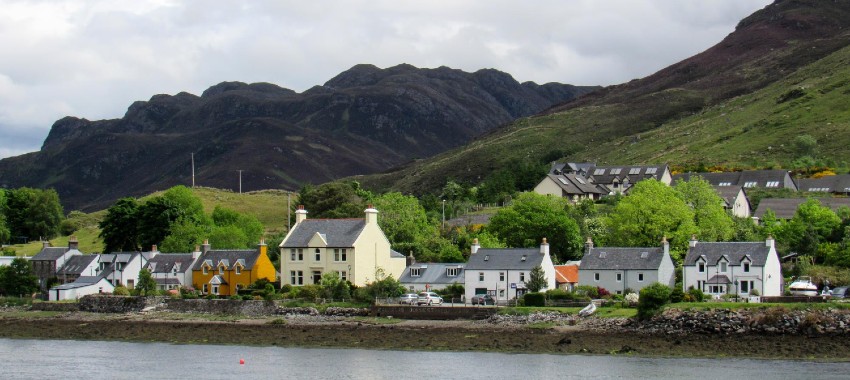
x=751, y=333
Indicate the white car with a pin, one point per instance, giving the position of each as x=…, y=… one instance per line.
x=408, y=299
x=429, y=298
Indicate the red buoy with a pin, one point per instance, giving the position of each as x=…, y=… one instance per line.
x=242, y=361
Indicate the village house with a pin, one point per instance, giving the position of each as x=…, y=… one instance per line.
x=356, y=249
x=225, y=272
x=833, y=184
x=735, y=200
x=171, y=270
x=47, y=262
x=579, y=181
x=83, y=285
x=426, y=277
x=503, y=272
x=617, y=269
x=733, y=268
x=77, y=266
x=121, y=268
x=766, y=179
x=785, y=208
x=566, y=276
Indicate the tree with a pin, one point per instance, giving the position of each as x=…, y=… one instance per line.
x=536, y=279
x=332, y=200
x=712, y=220
x=158, y=214
x=250, y=228
x=184, y=235
x=811, y=225
x=652, y=211
x=533, y=217
x=33, y=213
x=333, y=287
x=146, y=285
x=652, y=300
x=5, y=234
x=17, y=279
x=118, y=229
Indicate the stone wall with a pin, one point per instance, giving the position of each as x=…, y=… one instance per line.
x=55, y=306
x=117, y=304
x=433, y=312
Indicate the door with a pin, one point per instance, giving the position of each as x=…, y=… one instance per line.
x=317, y=277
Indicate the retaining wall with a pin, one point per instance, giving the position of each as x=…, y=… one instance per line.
x=433, y=312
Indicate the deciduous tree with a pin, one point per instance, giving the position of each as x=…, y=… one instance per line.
x=712, y=220
x=119, y=228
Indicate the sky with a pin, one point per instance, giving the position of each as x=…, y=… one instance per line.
x=92, y=59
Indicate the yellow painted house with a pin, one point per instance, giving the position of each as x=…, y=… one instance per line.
x=224, y=272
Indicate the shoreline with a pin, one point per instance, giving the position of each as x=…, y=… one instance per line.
x=419, y=335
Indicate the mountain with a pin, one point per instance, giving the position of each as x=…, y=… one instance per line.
x=362, y=121
x=782, y=73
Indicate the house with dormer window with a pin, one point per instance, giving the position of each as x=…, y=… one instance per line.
x=426, y=277
x=225, y=272
x=578, y=181
x=356, y=249
x=502, y=272
x=733, y=268
x=617, y=269
x=171, y=270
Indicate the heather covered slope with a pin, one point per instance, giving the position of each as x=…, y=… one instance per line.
x=364, y=120
x=726, y=105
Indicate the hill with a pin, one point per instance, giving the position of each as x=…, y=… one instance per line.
x=364, y=120
x=780, y=74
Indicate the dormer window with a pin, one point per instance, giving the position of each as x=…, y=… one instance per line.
x=237, y=269
x=486, y=257
x=772, y=184
x=701, y=267
x=750, y=184
x=723, y=267
x=746, y=267
x=523, y=258
x=206, y=269
x=221, y=269
x=452, y=271
x=415, y=272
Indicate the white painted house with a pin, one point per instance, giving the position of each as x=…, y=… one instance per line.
x=83, y=286
x=733, y=268
x=171, y=270
x=121, y=268
x=502, y=272
x=616, y=269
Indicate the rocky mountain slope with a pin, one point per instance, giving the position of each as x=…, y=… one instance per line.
x=364, y=120
x=781, y=73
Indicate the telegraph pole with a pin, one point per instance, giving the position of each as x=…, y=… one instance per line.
x=240, y=181
x=193, y=170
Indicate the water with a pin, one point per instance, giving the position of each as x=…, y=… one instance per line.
x=67, y=359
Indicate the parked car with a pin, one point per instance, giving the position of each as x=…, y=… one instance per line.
x=483, y=299
x=408, y=299
x=840, y=292
x=429, y=298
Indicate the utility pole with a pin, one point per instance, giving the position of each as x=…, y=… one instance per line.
x=240, y=181
x=193, y=170
x=444, y=213
x=288, y=210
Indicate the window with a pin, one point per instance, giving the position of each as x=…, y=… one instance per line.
x=297, y=277
x=452, y=272
x=619, y=277
x=501, y=276
x=206, y=270
x=640, y=277
x=292, y=254
x=343, y=275
x=581, y=181
x=599, y=172
x=634, y=171
x=205, y=288
x=480, y=276
x=296, y=254
x=615, y=171
x=415, y=272
x=651, y=170
x=746, y=267
x=723, y=267
x=563, y=181
x=237, y=269
x=724, y=184
x=596, y=276
x=318, y=254
x=521, y=276
x=502, y=293
x=221, y=269
x=701, y=267
x=340, y=254
x=745, y=286
x=750, y=184
x=772, y=184
x=486, y=257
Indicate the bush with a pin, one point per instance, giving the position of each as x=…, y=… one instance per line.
x=652, y=299
x=534, y=299
x=754, y=292
x=696, y=295
x=558, y=294
x=602, y=292
x=588, y=290
x=632, y=298
x=677, y=295
x=121, y=291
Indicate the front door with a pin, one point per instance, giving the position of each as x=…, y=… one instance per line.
x=317, y=277
x=130, y=284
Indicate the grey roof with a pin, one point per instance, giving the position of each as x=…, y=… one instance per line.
x=635, y=173
x=167, y=281
x=165, y=262
x=718, y=279
x=432, y=273
x=785, y=208
x=79, y=283
x=830, y=184
x=396, y=254
x=758, y=178
x=734, y=252
x=571, y=183
x=504, y=258
x=337, y=232
x=622, y=258
x=229, y=257
x=75, y=265
x=729, y=193
x=118, y=257
x=50, y=254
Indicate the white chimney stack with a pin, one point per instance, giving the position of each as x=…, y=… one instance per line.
x=475, y=246
x=371, y=215
x=300, y=214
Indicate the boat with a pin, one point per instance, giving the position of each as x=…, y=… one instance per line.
x=803, y=286
x=588, y=310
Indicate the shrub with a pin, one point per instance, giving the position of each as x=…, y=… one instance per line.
x=286, y=288
x=588, y=290
x=677, y=295
x=754, y=292
x=632, y=298
x=652, y=299
x=534, y=299
x=696, y=295
x=211, y=297
x=602, y=292
x=121, y=291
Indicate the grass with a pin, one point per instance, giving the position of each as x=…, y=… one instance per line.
x=378, y=320
x=744, y=305
x=604, y=312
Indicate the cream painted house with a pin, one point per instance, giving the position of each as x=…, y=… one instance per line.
x=356, y=249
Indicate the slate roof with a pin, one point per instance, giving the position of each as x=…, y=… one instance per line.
x=167, y=281
x=830, y=184
x=758, y=178
x=571, y=183
x=337, y=232
x=622, y=258
x=165, y=262
x=229, y=257
x=50, y=254
x=734, y=252
x=75, y=265
x=80, y=282
x=396, y=254
x=432, y=273
x=504, y=258
x=785, y=208
x=607, y=174
x=718, y=279
x=728, y=193
x=566, y=274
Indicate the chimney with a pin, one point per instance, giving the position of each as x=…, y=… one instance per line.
x=154, y=250
x=45, y=244
x=196, y=253
x=206, y=246
x=693, y=242
x=410, y=259
x=769, y=241
x=665, y=245
x=475, y=246
x=73, y=243
x=300, y=214
x=263, y=247
x=371, y=215
x=588, y=245
x=544, y=248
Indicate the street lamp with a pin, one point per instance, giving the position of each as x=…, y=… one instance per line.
x=736, y=290
x=444, y=213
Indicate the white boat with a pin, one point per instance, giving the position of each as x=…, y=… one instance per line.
x=588, y=310
x=803, y=286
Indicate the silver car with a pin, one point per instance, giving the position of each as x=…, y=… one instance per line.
x=408, y=299
x=429, y=298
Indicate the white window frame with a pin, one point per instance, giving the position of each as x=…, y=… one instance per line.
x=501, y=276
x=415, y=272
x=596, y=276
x=701, y=267
x=723, y=267
x=318, y=254
x=619, y=277
x=640, y=277
x=480, y=276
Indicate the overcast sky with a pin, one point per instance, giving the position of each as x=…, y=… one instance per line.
x=92, y=59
